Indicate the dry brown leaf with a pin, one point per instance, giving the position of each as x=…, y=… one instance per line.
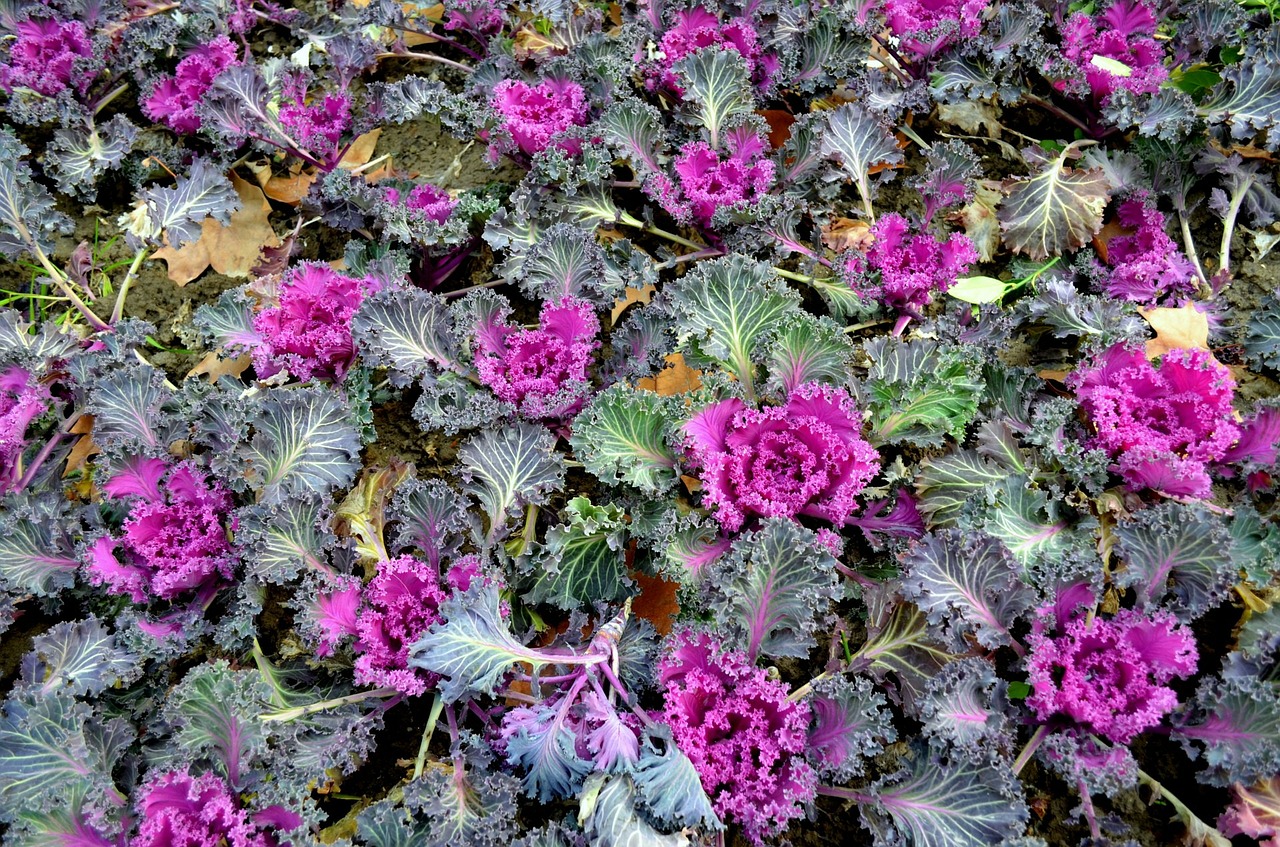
x=84, y=447
x=1184, y=327
x=847, y=234
x=232, y=249
x=530, y=42
x=1054, y=374
x=632, y=295
x=980, y=222
x=215, y=366
x=779, y=122
x=361, y=150
x=675, y=378
x=656, y=602
x=290, y=187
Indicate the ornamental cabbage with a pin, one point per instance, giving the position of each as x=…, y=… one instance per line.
x=1164, y=426
x=697, y=28
x=903, y=272
x=424, y=201
x=925, y=27
x=1116, y=49
x=481, y=18
x=535, y=116
x=316, y=123
x=1110, y=675
x=174, y=99
x=713, y=179
x=400, y=605
x=48, y=57
x=308, y=332
x=744, y=737
x=1146, y=264
x=179, y=810
x=174, y=541
x=22, y=400
x=805, y=457
x=542, y=372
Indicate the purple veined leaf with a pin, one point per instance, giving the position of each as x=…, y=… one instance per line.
x=635, y=129
x=430, y=516
x=509, y=468
x=723, y=309
x=1254, y=811
x=464, y=806
x=956, y=79
x=955, y=804
x=901, y=520
x=63, y=826
x=608, y=814
x=805, y=348
x=899, y=642
x=851, y=724
x=948, y=179
x=1238, y=723
x=1101, y=320
x=582, y=561
x=407, y=331
x=36, y=553
x=1030, y=524
x=540, y=743
x=801, y=156
x=137, y=476
x=280, y=540
x=1177, y=550
x=640, y=345
x=827, y=51
x=668, y=785
x=303, y=442
x=967, y=583
x=695, y=545
x=387, y=824
x=613, y=745
x=861, y=143
x=75, y=658
x=128, y=408
x=1255, y=545
x=79, y=156
x=625, y=435
x=27, y=216
x=959, y=709
x=174, y=215
x=405, y=99
x=53, y=747
x=717, y=80
x=565, y=262
x=1055, y=210
x=587, y=208
x=228, y=323
x=774, y=589
x=216, y=711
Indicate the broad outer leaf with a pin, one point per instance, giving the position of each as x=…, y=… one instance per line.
x=956, y=804
x=624, y=436
x=303, y=442
x=472, y=649
x=176, y=214
x=861, y=143
x=215, y=711
x=775, y=587
x=510, y=467
x=1238, y=722
x=33, y=558
x=75, y=658
x=1175, y=549
x=669, y=786
x=408, y=331
x=716, y=79
x=583, y=560
x=967, y=582
x=851, y=723
x=1054, y=211
x=608, y=815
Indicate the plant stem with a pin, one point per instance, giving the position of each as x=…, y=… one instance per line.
x=437, y=706
x=632, y=221
x=792, y=275
x=708, y=253
x=60, y=280
x=803, y=691
x=845, y=794
x=1033, y=744
x=109, y=96
x=1066, y=116
x=1199, y=831
x=1189, y=245
x=449, y=295
x=302, y=711
x=118, y=311
x=1086, y=802
x=1229, y=226
x=428, y=57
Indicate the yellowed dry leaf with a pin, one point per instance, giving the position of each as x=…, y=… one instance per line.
x=232, y=249
x=676, y=378
x=361, y=150
x=1184, y=327
x=632, y=295
x=290, y=187
x=214, y=366
x=980, y=222
x=847, y=234
x=84, y=447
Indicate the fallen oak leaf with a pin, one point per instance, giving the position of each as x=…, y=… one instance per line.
x=1185, y=328
x=230, y=249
